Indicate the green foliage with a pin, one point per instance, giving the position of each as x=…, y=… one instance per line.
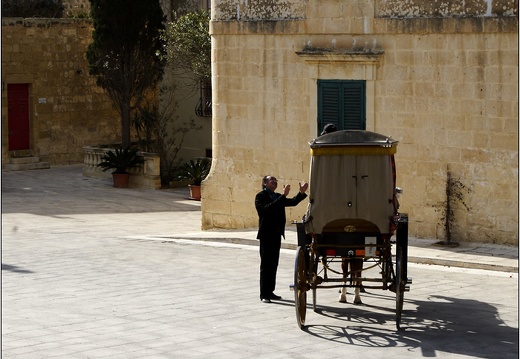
x=121, y=160
x=195, y=171
x=81, y=15
x=153, y=129
x=125, y=55
x=188, y=43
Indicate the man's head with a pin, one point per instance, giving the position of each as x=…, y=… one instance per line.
x=270, y=182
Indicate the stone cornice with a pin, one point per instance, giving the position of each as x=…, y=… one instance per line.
x=327, y=55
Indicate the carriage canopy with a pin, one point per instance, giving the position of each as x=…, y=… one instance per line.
x=352, y=182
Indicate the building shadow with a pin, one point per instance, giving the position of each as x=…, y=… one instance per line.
x=63, y=190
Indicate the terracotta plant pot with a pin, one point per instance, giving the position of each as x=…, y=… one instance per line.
x=194, y=192
x=121, y=179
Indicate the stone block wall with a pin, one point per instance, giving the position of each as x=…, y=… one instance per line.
x=444, y=86
x=446, y=8
x=67, y=109
x=451, y=100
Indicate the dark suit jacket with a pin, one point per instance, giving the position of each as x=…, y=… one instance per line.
x=271, y=212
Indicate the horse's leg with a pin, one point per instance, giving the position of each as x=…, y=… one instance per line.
x=356, y=268
x=343, y=291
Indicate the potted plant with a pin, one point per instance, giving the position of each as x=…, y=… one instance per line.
x=120, y=161
x=195, y=171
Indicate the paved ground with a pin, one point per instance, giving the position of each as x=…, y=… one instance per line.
x=90, y=271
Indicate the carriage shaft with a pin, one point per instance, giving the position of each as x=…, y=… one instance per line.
x=350, y=286
x=328, y=280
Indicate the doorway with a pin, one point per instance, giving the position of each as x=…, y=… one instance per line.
x=18, y=116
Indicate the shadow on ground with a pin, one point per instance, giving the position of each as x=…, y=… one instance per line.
x=438, y=325
x=64, y=190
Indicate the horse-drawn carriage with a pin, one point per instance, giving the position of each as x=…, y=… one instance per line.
x=351, y=218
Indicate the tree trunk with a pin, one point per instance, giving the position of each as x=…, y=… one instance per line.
x=125, y=125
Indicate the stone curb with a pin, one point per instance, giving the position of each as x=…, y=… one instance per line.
x=411, y=259
x=461, y=264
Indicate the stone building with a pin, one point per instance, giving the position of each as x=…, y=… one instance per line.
x=44, y=66
x=44, y=69
x=439, y=77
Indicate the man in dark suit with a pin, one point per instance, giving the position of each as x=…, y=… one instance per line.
x=271, y=228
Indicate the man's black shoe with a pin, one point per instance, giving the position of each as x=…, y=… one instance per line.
x=265, y=300
x=275, y=297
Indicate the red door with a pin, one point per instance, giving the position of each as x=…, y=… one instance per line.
x=18, y=116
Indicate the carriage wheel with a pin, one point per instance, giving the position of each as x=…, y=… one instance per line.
x=400, y=283
x=314, y=281
x=300, y=287
x=314, y=299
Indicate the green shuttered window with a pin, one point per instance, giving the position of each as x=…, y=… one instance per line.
x=343, y=103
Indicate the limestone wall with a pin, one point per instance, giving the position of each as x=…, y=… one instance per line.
x=446, y=8
x=67, y=109
x=445, y=86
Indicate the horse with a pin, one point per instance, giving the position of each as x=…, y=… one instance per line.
x=355, y=265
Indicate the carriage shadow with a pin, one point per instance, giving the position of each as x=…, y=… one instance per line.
x=445, y=324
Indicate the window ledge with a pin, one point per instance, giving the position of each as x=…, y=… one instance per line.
x=359, y=56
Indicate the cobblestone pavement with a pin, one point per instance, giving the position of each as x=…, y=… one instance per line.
x=89, y=271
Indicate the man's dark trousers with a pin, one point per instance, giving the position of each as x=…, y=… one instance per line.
x=269, y=254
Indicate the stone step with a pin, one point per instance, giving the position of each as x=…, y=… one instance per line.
x=20, y=153
x=26, y=166
x=23, y=160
